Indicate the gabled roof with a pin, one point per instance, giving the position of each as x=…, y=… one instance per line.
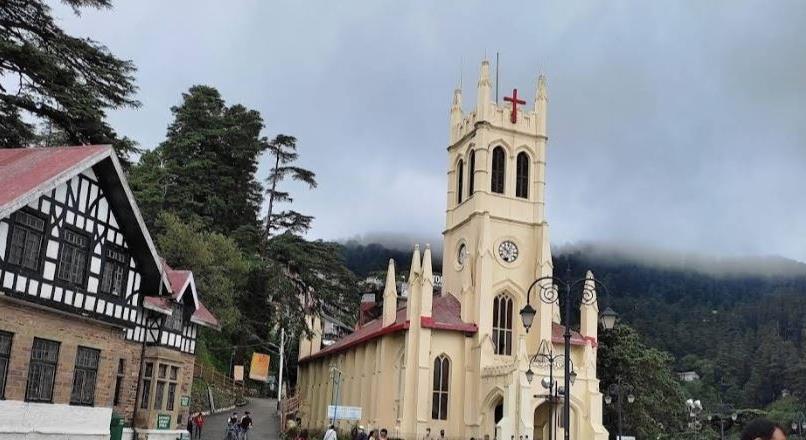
x=28, y=173
x=182, y=282
x=445, y=315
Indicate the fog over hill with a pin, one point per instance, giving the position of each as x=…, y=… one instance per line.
x=619, y=253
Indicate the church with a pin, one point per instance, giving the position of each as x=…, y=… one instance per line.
x=455, y=359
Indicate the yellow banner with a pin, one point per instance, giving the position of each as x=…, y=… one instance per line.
x=259, y=369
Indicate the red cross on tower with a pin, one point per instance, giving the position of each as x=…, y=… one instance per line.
x=515, y=101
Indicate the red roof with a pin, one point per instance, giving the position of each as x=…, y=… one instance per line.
x=446, y=315
x=23, y=170
x=177, y=278
x=204, y=317
x=557, y=331
x=158, y=303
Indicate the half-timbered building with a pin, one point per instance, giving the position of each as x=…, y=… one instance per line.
x=91, y=319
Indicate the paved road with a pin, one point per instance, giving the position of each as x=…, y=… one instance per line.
x=264, y=415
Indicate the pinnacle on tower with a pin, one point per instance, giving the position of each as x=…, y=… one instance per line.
x=428, y=283
x=483, y=91
x=416, y=266
x=390, y=295
x=456, y=112
x=541, y=104
x=542, y=90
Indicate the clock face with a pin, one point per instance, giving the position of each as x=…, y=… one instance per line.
x=508, y=251
x=461, y=254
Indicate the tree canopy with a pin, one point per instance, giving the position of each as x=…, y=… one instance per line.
x=65, y=82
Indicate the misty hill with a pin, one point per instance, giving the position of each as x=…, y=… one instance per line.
x=733, y=320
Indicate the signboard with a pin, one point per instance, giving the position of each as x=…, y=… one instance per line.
x=163, y=421
x=344, y=412
x=184, y=401
x=259, y=369
x=237, y=375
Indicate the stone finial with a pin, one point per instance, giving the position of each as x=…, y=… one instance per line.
x=390, y=295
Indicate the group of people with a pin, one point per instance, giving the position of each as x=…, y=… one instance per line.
x=759, y=429
x=238, y=427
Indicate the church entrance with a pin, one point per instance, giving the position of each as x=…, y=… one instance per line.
x=542, y=425
x=498, y=414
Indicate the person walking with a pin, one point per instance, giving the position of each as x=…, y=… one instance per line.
x=245, y=425
x=190, y=426
x=384, y=434
x=330, y=434
x=362, y=434
x=198, y=421
x=233, y=427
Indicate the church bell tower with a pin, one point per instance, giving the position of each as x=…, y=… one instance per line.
x=496, y=235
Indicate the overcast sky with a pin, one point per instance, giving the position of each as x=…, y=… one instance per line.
x=674, y=124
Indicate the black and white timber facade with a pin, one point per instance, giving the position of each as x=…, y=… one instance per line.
x=65, y=248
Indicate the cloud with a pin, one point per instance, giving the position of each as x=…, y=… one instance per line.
x=672, y=124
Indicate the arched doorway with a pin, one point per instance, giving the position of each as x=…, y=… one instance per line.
x=542, y=426
x=498, y=414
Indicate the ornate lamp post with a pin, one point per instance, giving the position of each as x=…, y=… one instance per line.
x=694, y=412
x=548, y=290
x=546, y=355
x=620, y=391
x=799, y=425
x=723, y=412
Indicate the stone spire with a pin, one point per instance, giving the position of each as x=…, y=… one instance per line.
x=483, y=91
x=589, y=309
x=456, y=114
x=427, y=291
x=414, y=286
x=390, y=296
x=541, y=104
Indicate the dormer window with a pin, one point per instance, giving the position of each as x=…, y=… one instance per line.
x=113, y=275
x=175, y=321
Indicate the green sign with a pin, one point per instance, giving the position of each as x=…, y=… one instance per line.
x=163, y=421
x=185, y=401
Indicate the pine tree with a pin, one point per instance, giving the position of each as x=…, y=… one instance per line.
x=284, y=150
x=205, y=169
x=659, y=399
x=59, y=79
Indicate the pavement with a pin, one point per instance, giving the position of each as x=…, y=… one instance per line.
x=264, y=418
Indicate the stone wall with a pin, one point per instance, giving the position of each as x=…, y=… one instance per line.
x=27, y=321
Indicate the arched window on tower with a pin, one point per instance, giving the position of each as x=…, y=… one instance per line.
x=471, y=173
x=439, y=401
x=460, y=178
x=522, y=176
x=497, y=171
x=502, y=324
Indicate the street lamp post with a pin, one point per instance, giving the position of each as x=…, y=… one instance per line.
x=723, y=412
x=548, y=290
x=620, y=390
x=694, y=412
x=546, y=354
